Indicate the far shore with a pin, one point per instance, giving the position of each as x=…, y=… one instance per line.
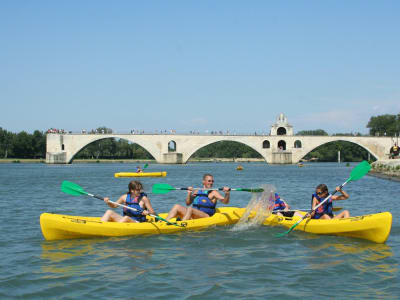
x=126, y=161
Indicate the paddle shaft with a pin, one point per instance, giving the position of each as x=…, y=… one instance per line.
x=115, y=203
x=282, y=210
x=213, y=189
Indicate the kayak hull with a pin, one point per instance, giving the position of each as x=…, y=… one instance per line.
x=373, y=227
x=141, y=174
x=59, y=227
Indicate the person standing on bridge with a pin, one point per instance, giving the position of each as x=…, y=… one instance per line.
x=203, y=201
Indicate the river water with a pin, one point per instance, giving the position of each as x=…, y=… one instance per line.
x=219, y=263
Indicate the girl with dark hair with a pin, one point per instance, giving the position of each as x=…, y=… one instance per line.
x=134, y=198
x=325, y=211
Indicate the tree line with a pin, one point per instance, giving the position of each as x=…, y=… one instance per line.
x=26, y=145
x=22, y=144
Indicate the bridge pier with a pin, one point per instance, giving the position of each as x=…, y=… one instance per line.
x=172, y=158
x=282, y=157
x=56, y=158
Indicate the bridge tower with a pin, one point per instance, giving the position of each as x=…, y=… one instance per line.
x=281, y=129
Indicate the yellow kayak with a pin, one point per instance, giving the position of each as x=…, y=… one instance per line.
x=374, y=227
x=141, y=174
x=58, y=227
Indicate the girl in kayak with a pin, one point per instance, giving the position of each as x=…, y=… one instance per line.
x=325, y=211
x=136, y=199
x=204, y=201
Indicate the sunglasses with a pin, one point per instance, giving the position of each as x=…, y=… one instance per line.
x=210, y=180
x=320, y=193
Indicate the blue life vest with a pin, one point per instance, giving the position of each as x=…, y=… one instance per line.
x=324, y=209
x=279, y=204
x=134, y=203
x=203, y=203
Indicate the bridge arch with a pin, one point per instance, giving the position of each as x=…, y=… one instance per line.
x=309, y=149
x=199, y=147
x=96, y=138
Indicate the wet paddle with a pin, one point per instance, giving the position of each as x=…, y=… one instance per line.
x=164, y=188
x=281, y=210
x=358, y=172
x=73, y=189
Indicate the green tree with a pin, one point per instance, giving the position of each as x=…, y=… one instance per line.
x=6, y=142
x=23, y=145
x=384, y=125
x=39, y=144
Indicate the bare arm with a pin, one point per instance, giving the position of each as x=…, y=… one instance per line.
x=343, y=195
x=224, y=199
x=147, y=205
x=121, y=200
x=314, y=204
x=190, y=196
x=287, y=206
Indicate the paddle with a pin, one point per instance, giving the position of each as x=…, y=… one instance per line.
x=281, y=210
x=73, y=189
x=358, y=172
x=164, y=188
x=145, y=166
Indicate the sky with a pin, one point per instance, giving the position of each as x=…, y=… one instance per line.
x=198, y=65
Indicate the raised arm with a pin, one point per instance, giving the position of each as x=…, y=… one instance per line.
x=343, y=195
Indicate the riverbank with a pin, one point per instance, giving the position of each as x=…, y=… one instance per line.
x=127, y=161
x=387, y=169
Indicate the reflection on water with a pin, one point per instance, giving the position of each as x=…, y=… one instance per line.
x=363, y=257
x=69, y=256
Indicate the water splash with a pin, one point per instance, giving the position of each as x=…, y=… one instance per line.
x=258, y=209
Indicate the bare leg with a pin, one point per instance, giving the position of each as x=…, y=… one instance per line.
x=193, y=213
x=176, y=211
x=297, y=214
x=111, y=216
x=127, y=219
x=343, y=214
x=325, y=217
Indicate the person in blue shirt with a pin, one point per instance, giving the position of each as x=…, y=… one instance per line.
x=200, y=203
x=134, y=198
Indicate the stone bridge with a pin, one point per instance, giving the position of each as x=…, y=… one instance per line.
x=277, y=148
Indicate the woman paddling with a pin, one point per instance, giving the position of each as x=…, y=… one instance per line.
x=136, y=199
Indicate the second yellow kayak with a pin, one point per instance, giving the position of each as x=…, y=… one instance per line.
x=141, y=174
